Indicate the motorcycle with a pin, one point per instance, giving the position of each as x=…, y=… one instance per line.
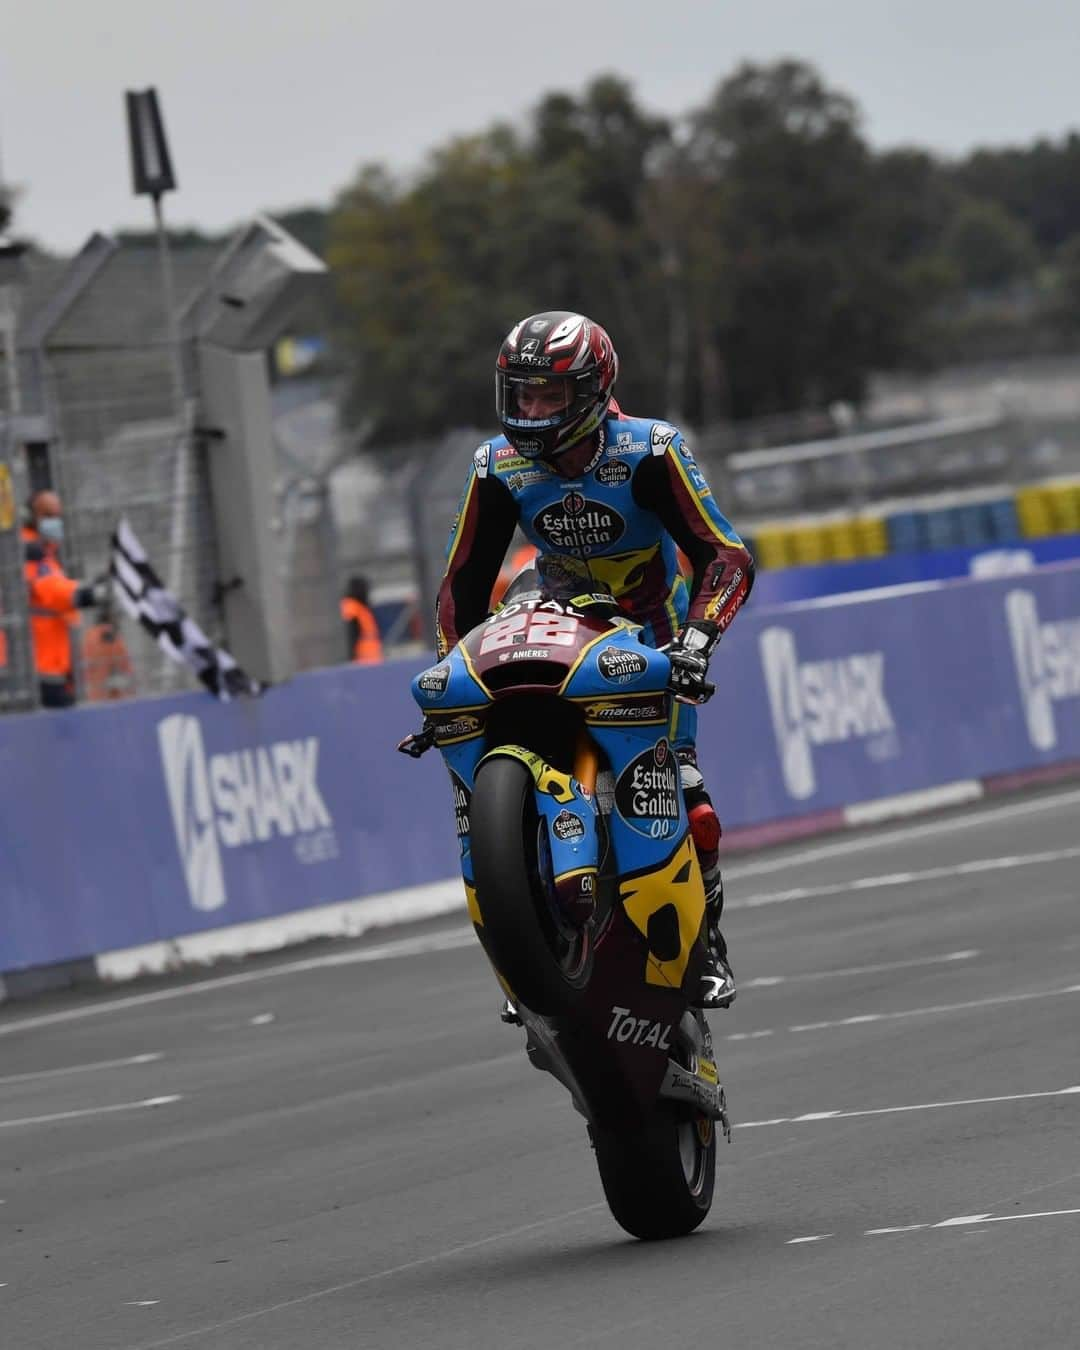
x=581, y=876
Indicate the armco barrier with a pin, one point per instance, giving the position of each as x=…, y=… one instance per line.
x=126, y=825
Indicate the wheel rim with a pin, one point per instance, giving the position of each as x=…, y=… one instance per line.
x=694, y=1134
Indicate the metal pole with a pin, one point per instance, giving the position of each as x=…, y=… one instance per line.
x=176, y=533
x=168, y=293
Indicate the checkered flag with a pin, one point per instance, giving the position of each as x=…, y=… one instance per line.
x=139, y=589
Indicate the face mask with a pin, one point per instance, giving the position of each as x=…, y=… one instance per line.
x=51, y=528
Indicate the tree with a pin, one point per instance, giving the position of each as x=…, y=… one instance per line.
x=811, y=300
x=987, y=247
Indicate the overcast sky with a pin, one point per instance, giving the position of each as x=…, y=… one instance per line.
x=270, y=105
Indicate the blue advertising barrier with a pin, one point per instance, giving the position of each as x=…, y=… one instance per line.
x=132, y=823
x=788, y=584
x=126, y=824
x=844, y=701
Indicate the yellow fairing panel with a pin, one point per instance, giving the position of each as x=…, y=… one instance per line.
x=677, y=881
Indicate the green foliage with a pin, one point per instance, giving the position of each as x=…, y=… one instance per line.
x=987, y=247
x=756, y=256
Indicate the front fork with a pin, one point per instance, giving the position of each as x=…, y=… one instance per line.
x=567, y=804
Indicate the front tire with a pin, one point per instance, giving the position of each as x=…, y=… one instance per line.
x=545, y=960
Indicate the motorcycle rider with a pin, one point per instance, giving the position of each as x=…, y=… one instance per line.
x=582, y=478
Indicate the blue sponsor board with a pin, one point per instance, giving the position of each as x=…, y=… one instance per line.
x=842, y=702
x=131, y=823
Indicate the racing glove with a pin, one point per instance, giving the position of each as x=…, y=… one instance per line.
x=689, y=656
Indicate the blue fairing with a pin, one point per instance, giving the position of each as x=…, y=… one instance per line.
x=620, y=685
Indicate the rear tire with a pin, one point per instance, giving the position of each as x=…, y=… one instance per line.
x=544, y=959
x=658, y=1179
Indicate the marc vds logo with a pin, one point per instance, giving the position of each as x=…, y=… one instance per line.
x=1047, y=657
x=816, y=703
x=244, y=797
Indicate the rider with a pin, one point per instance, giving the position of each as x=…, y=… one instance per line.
x=582, y=478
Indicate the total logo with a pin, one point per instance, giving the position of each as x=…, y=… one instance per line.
x=242, y=798
x=1047, y=657
x=816, y=703
x=624, y=1026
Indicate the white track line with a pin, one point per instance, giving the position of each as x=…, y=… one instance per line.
x=964, y=1221
x=884, y=839
x=431, y=942
x=936, y=1009
x=81, y=1068
x=814, y=1116
x=931, y=1010
x=972, y=867
x=90, y=1111
x=361, y=1280
x=768, y=981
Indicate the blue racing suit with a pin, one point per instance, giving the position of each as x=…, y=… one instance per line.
x=636, y=499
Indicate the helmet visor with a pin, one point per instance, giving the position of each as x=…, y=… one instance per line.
x=530, y=400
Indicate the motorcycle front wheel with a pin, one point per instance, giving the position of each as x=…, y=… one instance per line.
x=543, y=958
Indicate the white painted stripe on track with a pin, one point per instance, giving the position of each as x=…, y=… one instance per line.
x=81, y=1068
x=885, y=839
x=769, y=981
x=931, y=1010
x=963, y=1221
x=936, y=1009
x=361, y=1280
x=148, y=1102
x=972, y=867
x=430, y=942
x=814, y=1116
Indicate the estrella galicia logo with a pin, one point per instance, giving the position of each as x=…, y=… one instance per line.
x=647, y=794
x=187, y=783
x=619, y=666
x=1047, y=657
x=462, y=802
x=432, y=683
x=577, y=525
x=823, y=703
x=613, y=473
x=240, y=798
x=567, y=826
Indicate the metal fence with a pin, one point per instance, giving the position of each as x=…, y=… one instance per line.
x=97, y=416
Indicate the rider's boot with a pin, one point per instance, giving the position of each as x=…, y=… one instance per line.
x=717, y=986
x=509, y=1014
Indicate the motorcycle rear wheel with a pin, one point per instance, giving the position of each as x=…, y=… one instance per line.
x=658, y=1179
x=545, y=960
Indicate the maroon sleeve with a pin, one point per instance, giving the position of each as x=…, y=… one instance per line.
x=479, y=538
x=670, y=483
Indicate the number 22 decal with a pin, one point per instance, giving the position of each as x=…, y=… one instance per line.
x=530, y=630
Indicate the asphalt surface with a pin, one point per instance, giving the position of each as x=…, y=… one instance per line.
x=353, y=1152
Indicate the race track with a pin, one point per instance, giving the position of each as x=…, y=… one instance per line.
x=349, y=1150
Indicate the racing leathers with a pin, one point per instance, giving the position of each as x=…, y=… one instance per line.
x=638, y=500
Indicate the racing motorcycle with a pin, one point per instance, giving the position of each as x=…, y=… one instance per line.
x=581, y=877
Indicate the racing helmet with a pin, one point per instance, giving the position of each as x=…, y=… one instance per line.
x=553, y=382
